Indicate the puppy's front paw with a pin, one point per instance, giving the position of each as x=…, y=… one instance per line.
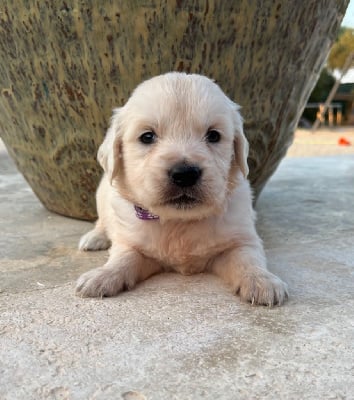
x=263, y=288
x=104, y=282
x=94, y=240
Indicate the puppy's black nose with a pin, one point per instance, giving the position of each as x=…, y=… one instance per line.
x=184, y=175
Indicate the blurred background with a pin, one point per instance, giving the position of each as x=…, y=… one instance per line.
x=327, y=124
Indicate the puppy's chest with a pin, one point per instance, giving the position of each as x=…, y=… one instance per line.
x=185, y=249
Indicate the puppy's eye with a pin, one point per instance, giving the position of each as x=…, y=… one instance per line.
x=213, y=136
x=148, y=137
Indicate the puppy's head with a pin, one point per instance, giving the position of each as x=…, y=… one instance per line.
x=177, y=147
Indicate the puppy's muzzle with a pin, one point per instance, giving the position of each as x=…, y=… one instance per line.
x=185, y=175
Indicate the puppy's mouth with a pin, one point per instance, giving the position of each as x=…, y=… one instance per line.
x=183, y=202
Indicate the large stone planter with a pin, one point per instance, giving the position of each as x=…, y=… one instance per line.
x=65, y=65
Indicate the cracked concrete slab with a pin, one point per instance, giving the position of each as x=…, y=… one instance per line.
x=178, y=337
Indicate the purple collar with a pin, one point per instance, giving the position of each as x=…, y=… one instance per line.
x=141, y=213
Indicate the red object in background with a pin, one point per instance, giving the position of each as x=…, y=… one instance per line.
x=342, y=141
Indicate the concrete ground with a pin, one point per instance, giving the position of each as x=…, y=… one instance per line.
x=178, y=337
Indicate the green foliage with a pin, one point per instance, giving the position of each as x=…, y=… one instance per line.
x=323, y=87
x=338, y=55
x=341, y=49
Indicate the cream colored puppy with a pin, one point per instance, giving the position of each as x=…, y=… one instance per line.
x=175, y=194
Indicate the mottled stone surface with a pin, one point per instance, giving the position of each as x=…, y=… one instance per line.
x=183, y=337
x=65, y=65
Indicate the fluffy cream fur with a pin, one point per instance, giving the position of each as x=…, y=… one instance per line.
x=216, y=233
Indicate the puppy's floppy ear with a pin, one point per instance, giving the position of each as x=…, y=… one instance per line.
x=110, y=150
x=240, y=142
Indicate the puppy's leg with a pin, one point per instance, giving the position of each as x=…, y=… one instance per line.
x=96, y=239
x=123, y=270
x=245, y=270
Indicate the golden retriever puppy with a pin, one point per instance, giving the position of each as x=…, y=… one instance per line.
x=175, y=195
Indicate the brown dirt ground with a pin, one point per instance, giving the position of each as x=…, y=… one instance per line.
x=323, y=142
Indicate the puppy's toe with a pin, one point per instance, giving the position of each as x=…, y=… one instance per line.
x=94, y=240
x=263, y=288
x=103, y=282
